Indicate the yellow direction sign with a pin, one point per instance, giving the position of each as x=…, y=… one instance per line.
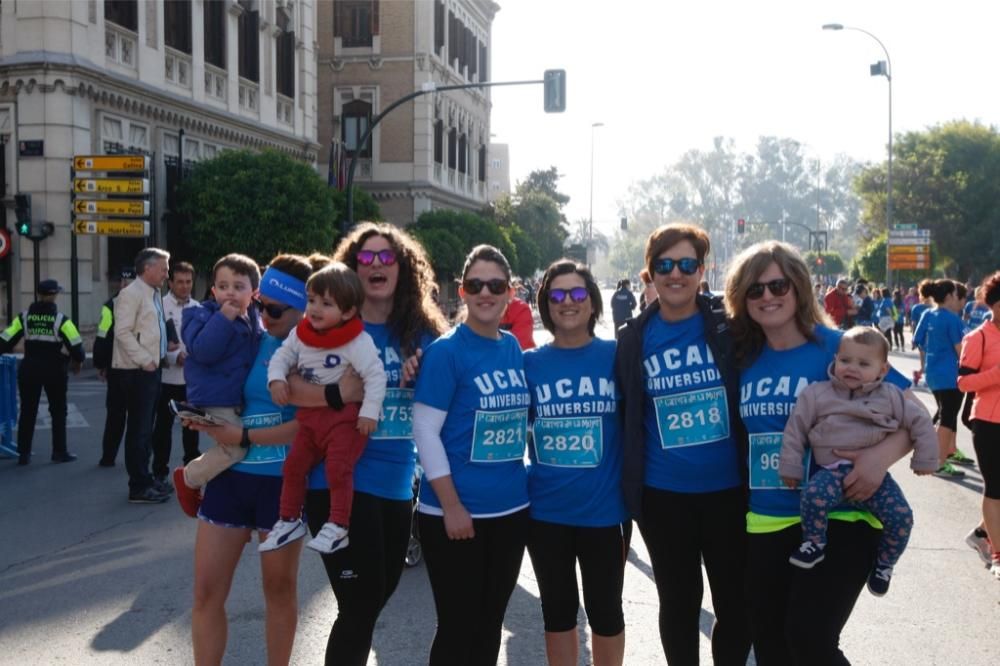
x=111, y=185
x=111, y=207
x=111, y=163
x=112, y=227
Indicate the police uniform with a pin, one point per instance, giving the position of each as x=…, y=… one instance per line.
x=46, y=331
x=116, y=399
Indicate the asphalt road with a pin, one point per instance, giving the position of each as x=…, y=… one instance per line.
x=86, y=578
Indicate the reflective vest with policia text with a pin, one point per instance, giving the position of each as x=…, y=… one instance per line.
x=46, y=331
x=104, y=342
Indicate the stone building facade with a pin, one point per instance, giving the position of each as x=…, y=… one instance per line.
x=178, y=81
x=432, y=151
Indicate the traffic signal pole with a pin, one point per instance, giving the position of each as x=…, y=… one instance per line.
x=428, y=87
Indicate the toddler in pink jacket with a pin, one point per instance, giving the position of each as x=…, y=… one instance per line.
x=855, y=409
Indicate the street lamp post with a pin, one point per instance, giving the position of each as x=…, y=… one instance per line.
x=590, y=224
x=880, y=69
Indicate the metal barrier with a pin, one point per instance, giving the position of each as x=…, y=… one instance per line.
x=8, y=405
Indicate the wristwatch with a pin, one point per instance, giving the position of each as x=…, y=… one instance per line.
x=245, y=440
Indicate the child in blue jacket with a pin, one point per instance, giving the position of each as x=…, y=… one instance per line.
x=222, y=337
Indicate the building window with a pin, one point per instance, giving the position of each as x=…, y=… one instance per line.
x=452, y=148
x=215, y=33
x=453, y=25
x=124, y=13
x=439, y=142
x=355, y=118
x=177, y=25
x=463, y=153
x=470, y=53
x=483, y=64
x=482, y=164
x=249, y=43
x=439, y=35
x=285, y=60
x=356, y=22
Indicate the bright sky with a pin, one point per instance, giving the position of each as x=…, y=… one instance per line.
x=667, y=77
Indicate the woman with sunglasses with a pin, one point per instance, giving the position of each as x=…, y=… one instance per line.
x=244, y=498
x=470, y=421
x=783, y=342
x=574, y=482
x=683, y=474
x=400, y=315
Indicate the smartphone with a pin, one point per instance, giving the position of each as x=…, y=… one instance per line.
x=188, y=411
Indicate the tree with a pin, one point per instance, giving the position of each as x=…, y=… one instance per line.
x=545, y=181
x=946, y=179
x=365, y=207
x=449, y=235
x=258, y=204
x=825, y=263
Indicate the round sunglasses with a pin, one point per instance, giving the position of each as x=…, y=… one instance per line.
x=687, y=266
x=496, y=286
x=777, y=288
x=576, y=294
x=386, y=257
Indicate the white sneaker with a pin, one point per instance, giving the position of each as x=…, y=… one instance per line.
x=283, y=533
x=995, y=567
x=980, y=544
x=330, y=539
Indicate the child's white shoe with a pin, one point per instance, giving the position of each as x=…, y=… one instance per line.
x=330, y=539
x=283, y=533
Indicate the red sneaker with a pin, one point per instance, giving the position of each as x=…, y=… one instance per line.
x=189, y=498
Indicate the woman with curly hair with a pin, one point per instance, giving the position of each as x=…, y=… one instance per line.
x=399, y=313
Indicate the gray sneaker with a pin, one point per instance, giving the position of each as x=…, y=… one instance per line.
x=148, y=496
x=979, y=541
x=162, y=485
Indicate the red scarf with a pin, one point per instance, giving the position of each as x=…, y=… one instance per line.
x=330, y=338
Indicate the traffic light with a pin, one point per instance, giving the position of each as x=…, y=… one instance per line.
x=624, y=224
x=22, y=209
x=555, y=90
x=741, y=226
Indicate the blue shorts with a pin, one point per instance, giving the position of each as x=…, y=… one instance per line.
x=241, y=500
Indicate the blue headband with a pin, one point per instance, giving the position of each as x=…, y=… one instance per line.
x=283, y=287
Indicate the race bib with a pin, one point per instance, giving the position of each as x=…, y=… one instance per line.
x=765, y=454
x=263, y=454
x=576, y=442
x=396, y=421
x=693, y=418
x=499, y=436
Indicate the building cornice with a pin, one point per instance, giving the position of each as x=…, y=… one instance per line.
x=385, y=191
x=84, y=79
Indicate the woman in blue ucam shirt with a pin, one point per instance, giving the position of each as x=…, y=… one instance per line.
x=400, y=315
x=470, y=421
x=574, y=482
x=682, y=463
x=783, y=343
x=939, y=338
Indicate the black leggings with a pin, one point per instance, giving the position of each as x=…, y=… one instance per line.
x=681, y=530
x=797, y=615
x=472, y=580
x=949, y=404
x=897, y=334
x=986, y=440
x=365, y=574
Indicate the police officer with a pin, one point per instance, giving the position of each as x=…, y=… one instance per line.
x=46, y=331
x=104, y=343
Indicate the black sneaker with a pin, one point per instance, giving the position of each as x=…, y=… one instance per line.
x=161, y=484
x=23, y=459
x=148, y=496
x=808, y=555
x=879, y=579
x=105, y=463
x=65, y=456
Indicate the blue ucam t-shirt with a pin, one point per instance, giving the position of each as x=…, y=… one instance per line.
x=260, y=412
x=976, y=314
x=480, y=383
x=576, y=457
x=689, y=443
x=387, y=463
x=937, y=334
x=916, y=312
x=769, y=388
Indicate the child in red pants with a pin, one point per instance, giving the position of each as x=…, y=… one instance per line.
x=328, y=340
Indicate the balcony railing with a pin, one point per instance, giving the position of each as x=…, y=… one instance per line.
x=249, y=96
x=215, y=83
x=286, y=109
x=119, y=45
x=177, y=68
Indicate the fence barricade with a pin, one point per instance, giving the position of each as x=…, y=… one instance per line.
x=8, y=405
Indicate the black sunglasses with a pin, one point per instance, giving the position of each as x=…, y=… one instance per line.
x=777, y=287
x=576, y=294
x=272, y=311
x=496, y=286
x=367, y=257
x=687, y=266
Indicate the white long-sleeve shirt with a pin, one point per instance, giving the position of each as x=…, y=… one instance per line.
x=173, y=311
x=327, y=365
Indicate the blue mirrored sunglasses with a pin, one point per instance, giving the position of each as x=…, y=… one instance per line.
x=687, y=266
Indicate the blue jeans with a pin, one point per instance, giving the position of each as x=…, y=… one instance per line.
x=825, y=491
x=142, y=389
